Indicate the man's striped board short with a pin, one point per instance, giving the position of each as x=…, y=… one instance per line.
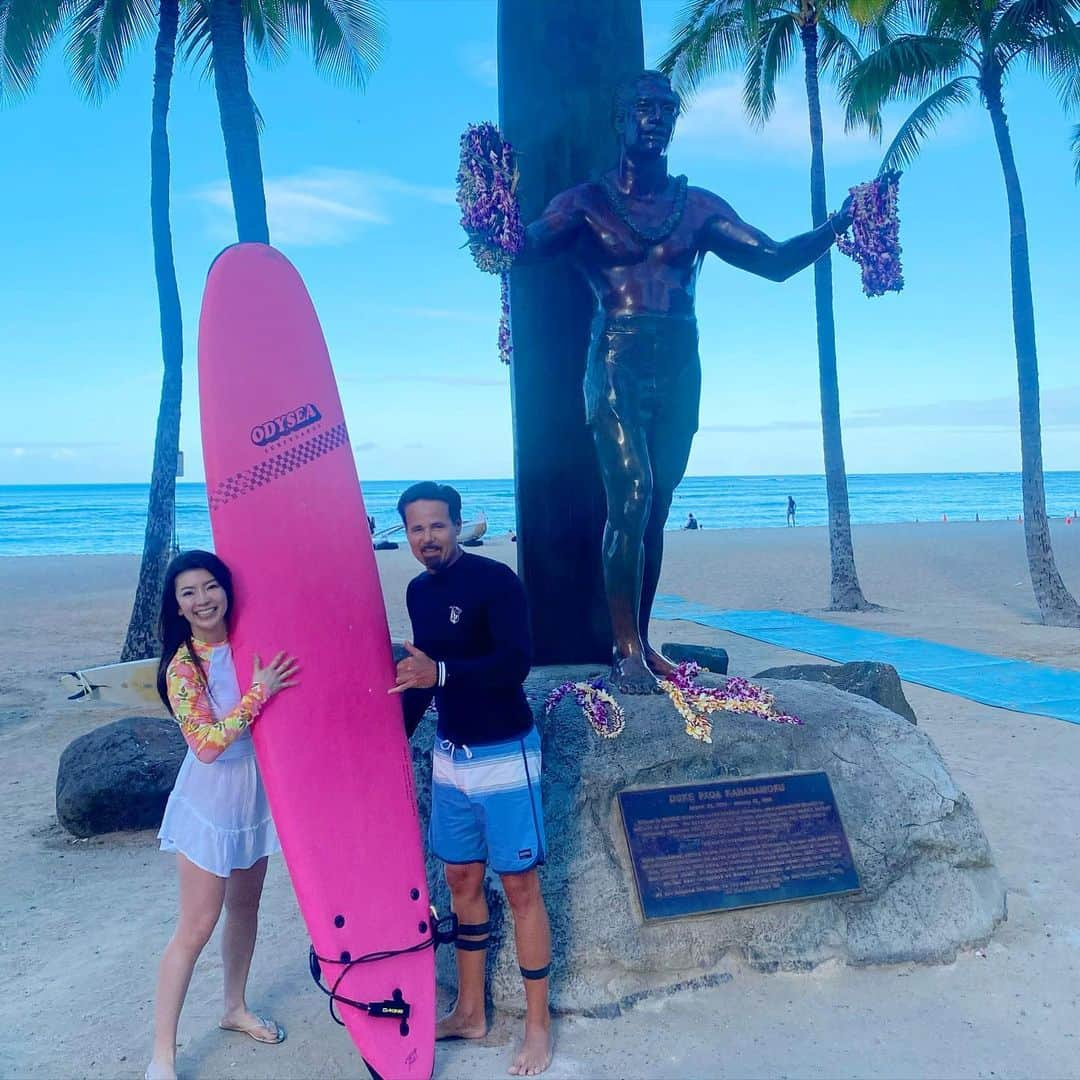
x=485, y=804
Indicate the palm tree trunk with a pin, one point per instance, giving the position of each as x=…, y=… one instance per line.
x=1055, y=602
x=238, y=124
x=141, y=639
x=845, y=593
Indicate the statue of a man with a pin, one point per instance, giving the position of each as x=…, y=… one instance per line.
x=640, y=236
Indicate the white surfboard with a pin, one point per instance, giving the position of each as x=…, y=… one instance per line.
x=133, y=683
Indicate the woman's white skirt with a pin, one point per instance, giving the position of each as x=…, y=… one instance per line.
x=217, y=815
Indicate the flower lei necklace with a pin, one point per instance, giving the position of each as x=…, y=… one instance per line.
x=875, y=240
x=487, y=194
x=618, y=202
x=692, y=702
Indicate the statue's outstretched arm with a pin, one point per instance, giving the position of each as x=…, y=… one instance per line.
x=555, y=230
x=727, y=235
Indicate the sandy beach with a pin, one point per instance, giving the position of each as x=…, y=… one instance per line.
x=82, y=923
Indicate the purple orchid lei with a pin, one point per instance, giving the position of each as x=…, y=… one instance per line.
x=694, y=703
x=875, y=240
x=486, y=185
x=691, y=701
x=604, y=713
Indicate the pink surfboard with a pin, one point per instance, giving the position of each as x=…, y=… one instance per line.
x=289, y=519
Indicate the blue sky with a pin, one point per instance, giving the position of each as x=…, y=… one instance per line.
x=361, y=198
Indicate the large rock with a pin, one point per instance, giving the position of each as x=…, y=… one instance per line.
x=118, y=776
x=868, y=679
x=929, y=885
x=709, y=657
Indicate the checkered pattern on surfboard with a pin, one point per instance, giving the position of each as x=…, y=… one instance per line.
x=272, y=468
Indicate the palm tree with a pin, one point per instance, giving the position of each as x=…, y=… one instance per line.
x=713, y=35
x=345, y=38
x=26, y=29
x=958, y=47
x=1076, y=150
x=103, y=32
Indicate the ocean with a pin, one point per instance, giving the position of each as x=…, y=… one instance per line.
x=110, y=518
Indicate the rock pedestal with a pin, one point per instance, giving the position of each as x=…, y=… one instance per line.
x=929, y=885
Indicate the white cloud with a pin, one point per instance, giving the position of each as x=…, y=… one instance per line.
x=480, y=63
x=717, y=117
x=323, y=206
x=1059, y=408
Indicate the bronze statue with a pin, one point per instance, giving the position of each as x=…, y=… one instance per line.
x=639, y=236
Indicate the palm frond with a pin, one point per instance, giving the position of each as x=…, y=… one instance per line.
x=1021, y=24
x=864, y=12
x=194, y=37
x=1076, y=150
x=769, y=56
x=912, y=65
x=345, y=37
x=838, y=55
x=709, y=37
x=27, y=28
x=103, y=33
x=923, y=120
x=266, y=30
x=1057, y=58
x=961, y=19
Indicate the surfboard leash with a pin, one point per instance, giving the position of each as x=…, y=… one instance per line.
x=443, y=932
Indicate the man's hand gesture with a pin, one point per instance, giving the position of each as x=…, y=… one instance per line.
x=416, y=672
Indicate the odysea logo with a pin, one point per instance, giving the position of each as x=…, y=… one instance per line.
x=271, y=430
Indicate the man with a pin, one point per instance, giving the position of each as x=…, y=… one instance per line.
x=691, y=522
x=639, y=236
x=472, y=653
x=791, y=511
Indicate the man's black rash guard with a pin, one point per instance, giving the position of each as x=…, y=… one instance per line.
x=472, y=620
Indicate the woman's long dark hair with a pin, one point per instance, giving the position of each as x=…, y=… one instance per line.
x=173, y=629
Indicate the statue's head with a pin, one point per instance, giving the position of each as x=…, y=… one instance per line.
x=646, y=108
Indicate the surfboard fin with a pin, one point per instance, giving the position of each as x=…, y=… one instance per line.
x=85, y=688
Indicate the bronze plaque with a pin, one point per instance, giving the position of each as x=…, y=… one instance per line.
x=736, y=843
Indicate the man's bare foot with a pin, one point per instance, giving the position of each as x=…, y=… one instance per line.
x=160, y=1070
x=535, y=1053
x=659, y=664
x=459, y=1024
x=630, y=675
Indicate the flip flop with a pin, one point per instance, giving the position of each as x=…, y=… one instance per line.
x=260, y=1033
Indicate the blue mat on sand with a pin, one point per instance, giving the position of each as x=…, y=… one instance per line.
x=992, y=680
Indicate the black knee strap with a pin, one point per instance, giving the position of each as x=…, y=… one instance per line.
x=471, y=946
x=473, y=930
x=535, y=973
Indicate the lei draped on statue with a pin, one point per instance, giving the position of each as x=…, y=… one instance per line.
x=486, y=184
x=875, y=240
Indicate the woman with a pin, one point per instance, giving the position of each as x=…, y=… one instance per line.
x=217, y=820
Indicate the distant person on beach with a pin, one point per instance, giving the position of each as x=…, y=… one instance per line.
x=217, y=819
x=472, y=653
x=371, y=524
x=691, y=522
x=790, y=512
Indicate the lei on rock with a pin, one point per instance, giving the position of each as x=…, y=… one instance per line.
x=603, y=712
x=875, y=240
x=692, y=702
x=486, y=192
